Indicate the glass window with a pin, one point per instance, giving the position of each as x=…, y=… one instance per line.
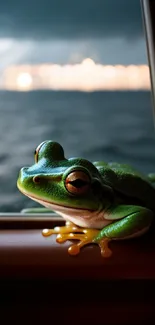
x=75, y=72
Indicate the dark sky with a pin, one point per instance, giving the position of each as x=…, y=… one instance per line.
x=70, y=18
x=61, y=31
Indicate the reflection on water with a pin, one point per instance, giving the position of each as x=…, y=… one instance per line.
x=106, y=126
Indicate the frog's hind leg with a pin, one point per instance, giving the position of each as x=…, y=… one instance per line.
x=134, y=222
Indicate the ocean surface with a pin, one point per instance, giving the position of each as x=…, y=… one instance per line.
x=109, y=126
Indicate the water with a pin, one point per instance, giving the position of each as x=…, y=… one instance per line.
x=110, y=126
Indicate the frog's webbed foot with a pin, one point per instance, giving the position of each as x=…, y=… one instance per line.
x=68, y=228
x=85, y=236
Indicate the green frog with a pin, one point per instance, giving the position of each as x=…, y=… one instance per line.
x=99, y=201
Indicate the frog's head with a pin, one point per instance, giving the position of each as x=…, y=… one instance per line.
x=72, y=187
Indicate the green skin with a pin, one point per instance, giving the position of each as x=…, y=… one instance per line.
x=117, y=200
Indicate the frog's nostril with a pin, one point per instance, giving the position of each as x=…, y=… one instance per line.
x=22, y=172
x=36, y=179
x=23, y=169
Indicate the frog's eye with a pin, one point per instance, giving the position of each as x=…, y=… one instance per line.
x=77, y=182
x=36, y=153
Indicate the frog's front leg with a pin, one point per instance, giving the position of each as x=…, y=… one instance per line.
x=134, y=221
x=68, y=228
x=72, y=232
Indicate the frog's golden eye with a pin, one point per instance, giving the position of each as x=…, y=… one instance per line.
x=77, y=182
x=37, y=151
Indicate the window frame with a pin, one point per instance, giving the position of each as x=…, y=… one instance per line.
x=21, y=242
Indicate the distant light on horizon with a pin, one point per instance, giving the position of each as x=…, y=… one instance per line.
x=85, y=76
x=88, y=62
x=24, y=80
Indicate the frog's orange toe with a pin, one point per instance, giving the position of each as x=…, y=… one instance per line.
x=84, y=236
x=74, y=250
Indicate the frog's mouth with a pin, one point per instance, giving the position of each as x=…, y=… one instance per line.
x=57, y=207
x=80, y=216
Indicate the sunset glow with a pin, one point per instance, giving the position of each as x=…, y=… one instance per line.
x=24, y=80
x=86, y=76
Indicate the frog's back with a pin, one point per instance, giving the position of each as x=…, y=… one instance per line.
x=127, y=181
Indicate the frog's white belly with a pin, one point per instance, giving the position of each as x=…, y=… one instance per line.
x=86, y=220
x=80, y=217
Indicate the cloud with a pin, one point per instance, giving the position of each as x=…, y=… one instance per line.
x=106, y=51
x=70, y=19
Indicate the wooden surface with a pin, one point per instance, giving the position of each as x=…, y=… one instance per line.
x=40, y=282
x=25, y=251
